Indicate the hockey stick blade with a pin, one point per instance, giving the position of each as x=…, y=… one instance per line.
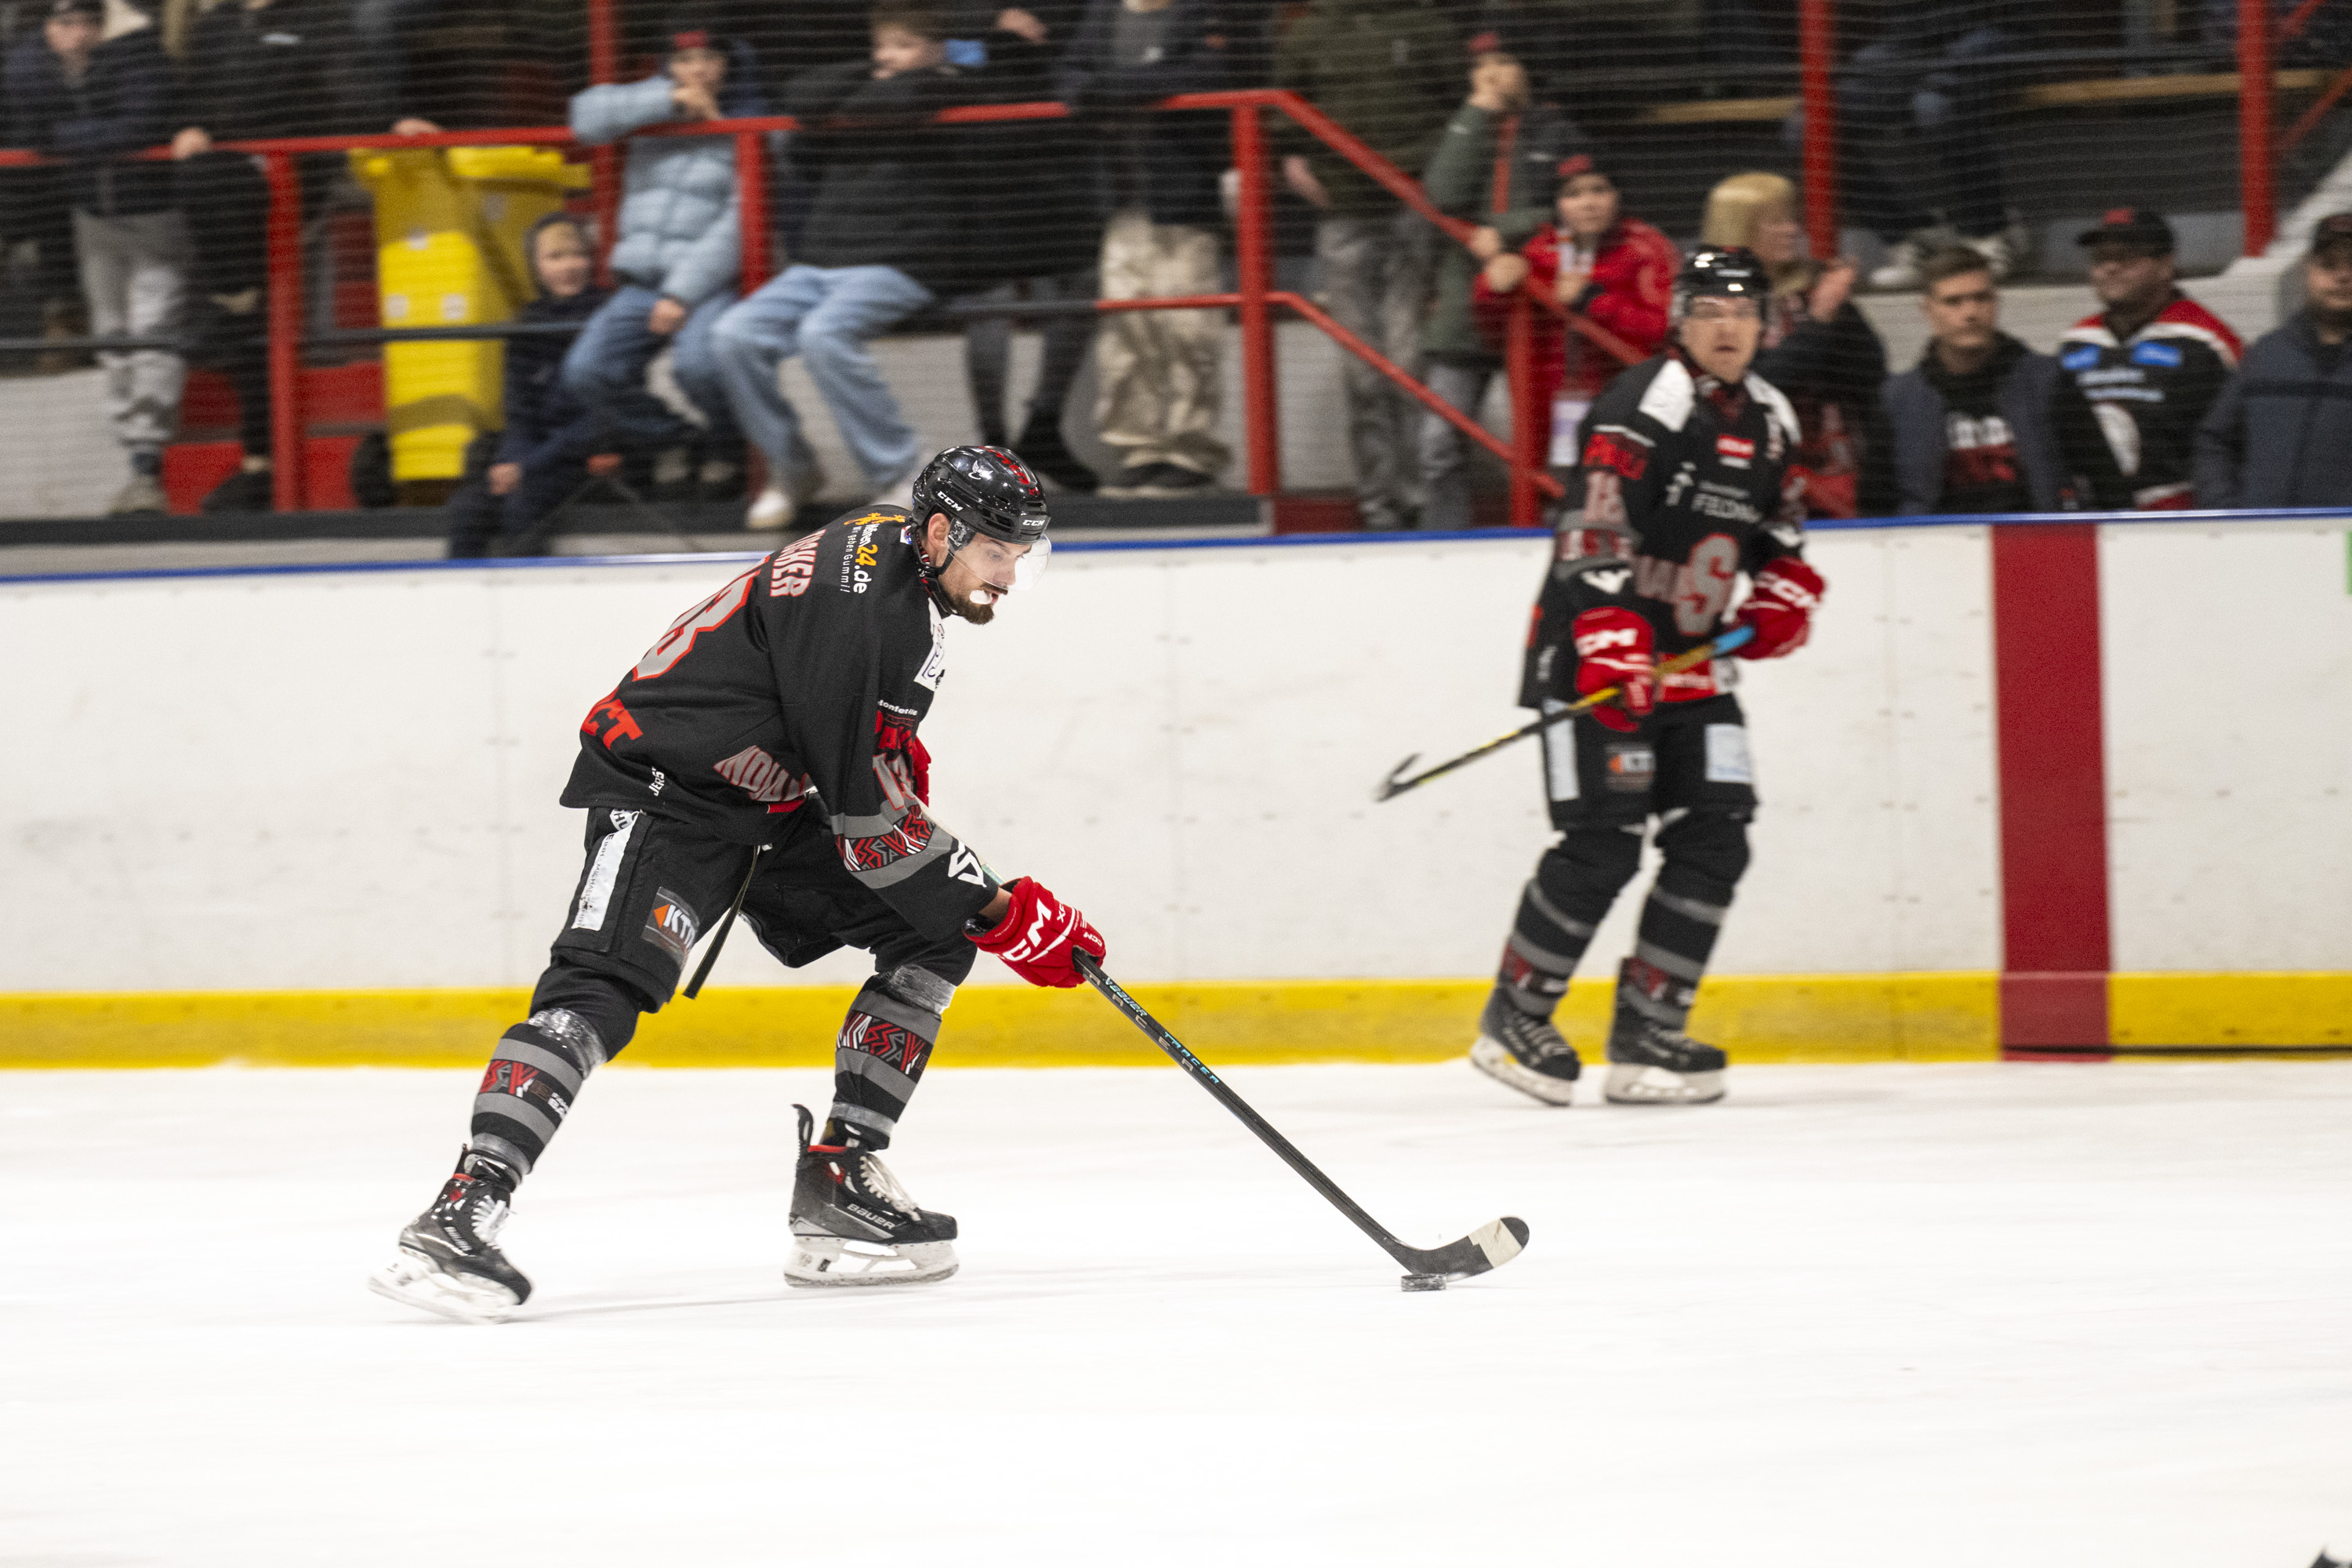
x=1488, y=1247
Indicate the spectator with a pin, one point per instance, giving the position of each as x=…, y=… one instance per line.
x=90, y=103
x=680, y=252
x=1158, y=373
x=301, y=48
x=883, y=242
x=1619, y=274
x=517, y=479
x=1384, y=70
x=1971, y=425
x=2281, y=434
x=1051, y=257
x=2139, y=376
x=1494, y=165
x=1819, y=349
x=1925, y=75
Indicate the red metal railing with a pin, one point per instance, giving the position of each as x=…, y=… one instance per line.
x=1254, y=300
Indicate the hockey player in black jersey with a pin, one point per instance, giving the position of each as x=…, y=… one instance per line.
x=1684, y=487
x=767, y=742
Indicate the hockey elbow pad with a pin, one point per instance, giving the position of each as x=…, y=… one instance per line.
x=1613, y=650
x=1780, y=610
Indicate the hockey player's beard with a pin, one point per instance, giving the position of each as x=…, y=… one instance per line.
x=970, y=605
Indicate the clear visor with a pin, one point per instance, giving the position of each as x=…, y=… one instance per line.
x=1006, y=568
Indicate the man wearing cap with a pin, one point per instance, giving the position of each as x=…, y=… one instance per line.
x=2137, y=378
x=2280, y=434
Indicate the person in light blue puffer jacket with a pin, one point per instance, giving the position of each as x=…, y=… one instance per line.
x=679, y=251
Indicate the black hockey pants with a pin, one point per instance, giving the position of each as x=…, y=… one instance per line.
x=651, y=889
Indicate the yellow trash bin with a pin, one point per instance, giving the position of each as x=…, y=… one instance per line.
x=449, y=229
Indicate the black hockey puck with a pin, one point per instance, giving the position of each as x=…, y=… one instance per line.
x=1423, y=1282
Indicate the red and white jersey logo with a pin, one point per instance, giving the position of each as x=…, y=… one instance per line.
x=1736, y=451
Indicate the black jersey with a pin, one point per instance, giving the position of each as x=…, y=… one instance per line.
x=2128, y=409
x=1685, y=484
x=797, y=687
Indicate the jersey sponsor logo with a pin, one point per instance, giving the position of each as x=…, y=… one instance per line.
x=660, y=778
x=2161, y=355
x=1615, y=450
x=1609, y=580
x=2083, y=358
x=862, y=553
x=671, y=925
x=609, y=722
x=759, y=775
x=1735, y=451
x=794, y=569
x=1630, y=767
x=935, y=667
x=1730, y=509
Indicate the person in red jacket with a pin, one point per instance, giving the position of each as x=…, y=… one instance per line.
x=1617, y=272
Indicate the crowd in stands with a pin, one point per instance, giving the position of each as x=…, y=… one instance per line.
x=883, y=215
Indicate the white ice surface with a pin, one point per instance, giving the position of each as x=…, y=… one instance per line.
x=2071, y=1316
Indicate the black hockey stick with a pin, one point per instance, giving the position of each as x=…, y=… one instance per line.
x=1396, y=784
x=1489, y=1247
x=718, y=937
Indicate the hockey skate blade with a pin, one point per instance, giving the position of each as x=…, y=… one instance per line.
x=413, y=1281
x=833, y=1261
x=1636, y=1083
x=1491, y=1057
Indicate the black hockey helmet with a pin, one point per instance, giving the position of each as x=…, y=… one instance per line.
x=985, y=491
x=982, y=489
x=1722, y=272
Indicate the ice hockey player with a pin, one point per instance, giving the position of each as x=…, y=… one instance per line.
x=2136, y=379
x=1684, y=485
x=767, y=742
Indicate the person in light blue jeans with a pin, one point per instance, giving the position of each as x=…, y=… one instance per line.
x=825, y=315
x=883, y=240
x=677, y=256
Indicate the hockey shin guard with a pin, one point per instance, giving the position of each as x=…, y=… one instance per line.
x=1705, y=853
x=1559, y=909
x=879, y=1057
x=534, y=1076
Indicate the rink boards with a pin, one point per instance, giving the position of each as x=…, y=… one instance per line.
x=309, y=816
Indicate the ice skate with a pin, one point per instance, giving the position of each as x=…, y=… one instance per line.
x=852, y=1224
x=1526, y=1052
x=1650, y=1061
x=448, y=1263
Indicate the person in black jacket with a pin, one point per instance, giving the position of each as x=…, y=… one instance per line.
x=1050, y=254
x=302, y=49
x=517, y=479
x=1159, y=373
x=1971, y=425
x=90, y=103
x=883, y=242
x=2282, y=430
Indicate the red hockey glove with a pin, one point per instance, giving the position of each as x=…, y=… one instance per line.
x=1037, y=935
x=1780, y=609
x=1613, y=648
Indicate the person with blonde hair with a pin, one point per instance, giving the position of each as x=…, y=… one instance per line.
x=1819, y=349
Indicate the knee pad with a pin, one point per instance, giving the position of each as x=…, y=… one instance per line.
x=606, y=1005
x=1590, y=863
x=1705, y=854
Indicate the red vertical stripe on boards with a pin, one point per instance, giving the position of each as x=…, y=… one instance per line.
x=2050, y=736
